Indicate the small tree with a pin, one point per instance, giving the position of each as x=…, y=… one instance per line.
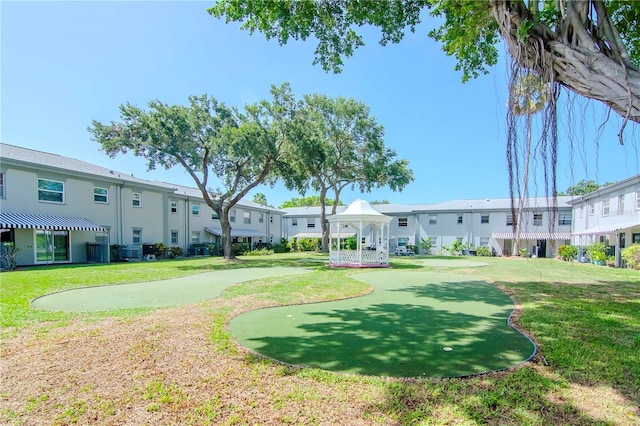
x=567, y=253
x=455, y=248
x=426, y=245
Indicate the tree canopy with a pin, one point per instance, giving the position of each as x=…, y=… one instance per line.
x=308, y=201
x=240, y=148
x=590, y=47
x=339, y=144
x=583, y=187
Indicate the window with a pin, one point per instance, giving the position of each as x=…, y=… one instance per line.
x=246, y=217
x=137, y=200
x=51, y=191
x=137, y=236
x=484, y=241
x=605, y=207
x=459, y=219
x=620, y=203
x=232, y=216
x=433, y=241
x=100, y=195
x=311, y=223
x=173, y=207
x=2, y=192
x=564, y=219
x=510, y=221
x=459, y=239
x=214, y=216
x=581, y=211
x=260, y=217
x=592, y=209
x=635, y=238
x=403, y=241
x=195, y=237
x=174, y=237
x=433, y=219
x=403, y=222
x=484, y=218
x=195, y=209
x=638, y=199
x=537, y=219
x=294, y=222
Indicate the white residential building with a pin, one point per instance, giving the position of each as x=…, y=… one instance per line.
x=610, y=215
x=56, y=209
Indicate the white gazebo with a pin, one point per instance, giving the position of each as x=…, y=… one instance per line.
x=371, y=234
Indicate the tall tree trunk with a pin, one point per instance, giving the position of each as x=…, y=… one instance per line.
x=226, y=234
x=523, y=194
x=323, y=221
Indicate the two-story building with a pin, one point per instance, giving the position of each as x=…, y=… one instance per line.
x=610, y=215
x=481, y=223
x=56, y=209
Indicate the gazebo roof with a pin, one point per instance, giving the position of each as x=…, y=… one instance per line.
x=360, y=210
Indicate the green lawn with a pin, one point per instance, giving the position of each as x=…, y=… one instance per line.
x=585, y=319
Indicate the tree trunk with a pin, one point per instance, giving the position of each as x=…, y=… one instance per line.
x=323, y=224
x=573, y=61
x=226, y=235
x=523, y=194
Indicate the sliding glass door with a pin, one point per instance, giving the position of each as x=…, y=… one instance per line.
x=52, y=246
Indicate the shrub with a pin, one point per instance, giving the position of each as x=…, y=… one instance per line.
x=260, y=252
x=597, y=251
x=308, y=244
x=425, y=245
x=483, y=251
x=159, y=250
x=631, y=255
x=350, y=243
x=176, y=251
x=240, y=249
x=281, y=248
x=567, y=253
x=455, y=248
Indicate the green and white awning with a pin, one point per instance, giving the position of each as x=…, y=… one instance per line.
x=41, y=221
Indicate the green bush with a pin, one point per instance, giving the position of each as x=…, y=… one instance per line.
x=597, y=251
x=631, y=255
x=567, y=253
x=309, y=244
x=240, y=249
x=350, y=243
x=455, y=248
x=425, y=245
x=483, y=251
x=159, y=250
x=281, y=248
x=176, y=251
x=260, y=252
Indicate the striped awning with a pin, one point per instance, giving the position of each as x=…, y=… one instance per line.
x=532, y=235
x=236, y=232
x=41, y=221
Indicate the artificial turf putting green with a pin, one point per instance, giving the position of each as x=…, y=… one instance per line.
x=154, y=294
x=415, y=324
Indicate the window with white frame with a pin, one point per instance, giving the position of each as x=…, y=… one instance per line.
x=564, y=219
x=403, y=222
x=2, y=184
x=537, y=219
x=246, y=217
x=232, y=215
x=581, y=209
x=510, y=221
x=311, y=222
x=484, y=218
x=605, y=207
x=484, y=241
x=51, y=191
x=136, y=200
x=620, y=203
x=433, y=219
x=402, y=241
x=260, y=217
x=592, y=209
x=173, y=207
x=174, y=237
x=637, y=199
x=137, y=236
x=459, y=219
x=294, y=221
x=195, y=209
x=100, y=195
x=195, y=237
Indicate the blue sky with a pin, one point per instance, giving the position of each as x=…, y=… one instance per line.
x=67, y=63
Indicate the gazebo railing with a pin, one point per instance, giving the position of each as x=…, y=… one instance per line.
x=352, y=257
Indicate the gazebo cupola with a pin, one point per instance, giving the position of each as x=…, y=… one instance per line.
x=371, y=234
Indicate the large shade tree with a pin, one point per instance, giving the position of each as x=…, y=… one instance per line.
x=590, y=47
x=242, y=149
x=339, y=144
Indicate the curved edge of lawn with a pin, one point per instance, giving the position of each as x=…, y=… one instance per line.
x=510, y=323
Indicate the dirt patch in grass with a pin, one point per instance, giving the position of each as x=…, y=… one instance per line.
x=162, y=368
